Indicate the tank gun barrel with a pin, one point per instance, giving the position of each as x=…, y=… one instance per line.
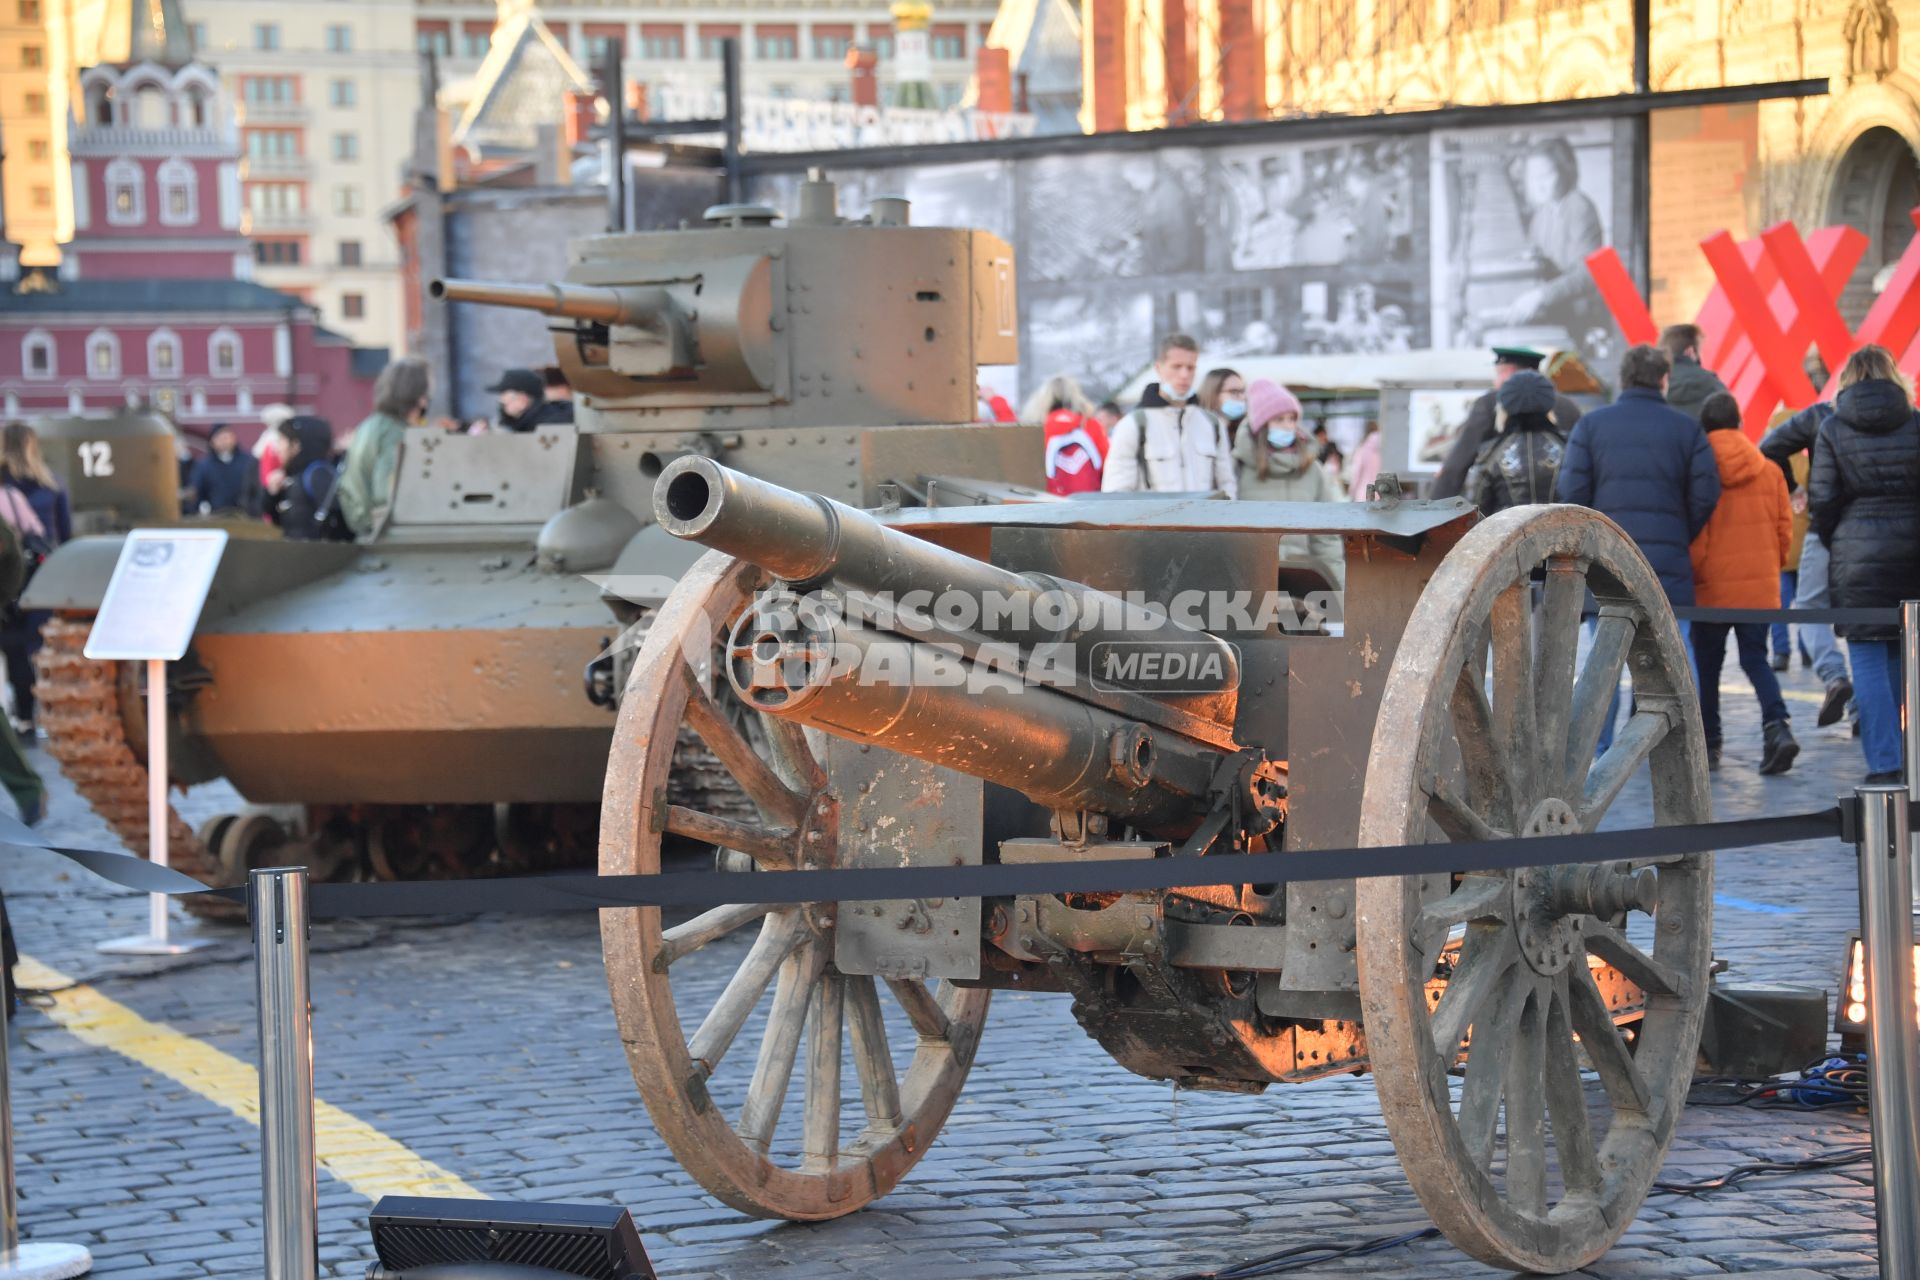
x=602, y=303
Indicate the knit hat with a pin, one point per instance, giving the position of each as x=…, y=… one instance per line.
x=1526, y=391
x=1268, y=400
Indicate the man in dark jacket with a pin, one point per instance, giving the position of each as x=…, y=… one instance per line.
x=1479, y=426
x=1690, y=383
x=523, y=402
x=227, y=478
x=1649, y=469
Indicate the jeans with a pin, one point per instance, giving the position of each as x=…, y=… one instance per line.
x=1710, y=654
x=1613, y=706
x=1782, y=633
x=1877, y=681
x=1811, y=593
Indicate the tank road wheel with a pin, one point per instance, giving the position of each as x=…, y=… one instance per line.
x=1533, y=1145
x=720, y=1111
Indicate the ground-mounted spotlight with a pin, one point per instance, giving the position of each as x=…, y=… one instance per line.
x=418, y=1238
x=1850, y=1010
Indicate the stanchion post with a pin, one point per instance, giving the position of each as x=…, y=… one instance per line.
x=1893, y=1059
x=39, y=1259
x=289, y=1177
x=1910, y=707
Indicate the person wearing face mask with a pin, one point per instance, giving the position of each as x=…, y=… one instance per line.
x=1277, y=464
x=1169, y=444
x=1223, y=393
x=225, y=479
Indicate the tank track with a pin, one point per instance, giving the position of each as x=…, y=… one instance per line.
x=79, y=705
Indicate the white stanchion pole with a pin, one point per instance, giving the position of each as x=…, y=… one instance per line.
x=290, y=1178
x=1893, y=1026
x=155, y=941
x=35, y=1259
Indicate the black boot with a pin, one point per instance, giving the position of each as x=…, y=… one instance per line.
x=1713, y=756
x=1834, y=705
x=1777, y=747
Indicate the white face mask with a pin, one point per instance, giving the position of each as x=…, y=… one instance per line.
x=1281, y=437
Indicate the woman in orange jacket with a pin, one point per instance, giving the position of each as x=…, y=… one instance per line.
x=1736, y=565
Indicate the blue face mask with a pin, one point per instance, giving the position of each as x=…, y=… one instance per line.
x=1281, y=438
x=1234, y=409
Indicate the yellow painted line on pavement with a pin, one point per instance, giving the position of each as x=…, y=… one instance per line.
x=1796, y=695
x=349, y=1148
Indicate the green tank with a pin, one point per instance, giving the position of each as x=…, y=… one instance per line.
x=437, y=699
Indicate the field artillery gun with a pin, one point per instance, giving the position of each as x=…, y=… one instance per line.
x=1531, y=1033
x=434, y=699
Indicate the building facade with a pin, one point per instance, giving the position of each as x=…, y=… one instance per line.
x=154, y=301
x=26, y=130
x=1849, y=156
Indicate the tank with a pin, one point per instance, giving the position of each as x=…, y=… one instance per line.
x=437, y=699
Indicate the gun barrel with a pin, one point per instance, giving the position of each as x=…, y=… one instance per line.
x=805, y=538
x=600, y=303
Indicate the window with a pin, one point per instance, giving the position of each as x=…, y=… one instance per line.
x=277, y=253
x=36, y=354
x=223, y=353
x=103, y=354
x=342, y=93
x=830, y=44
x=273, y=144
x=274, y=199
x=662, y=43
x=948, y=43
x=269, y=91
x=32, y=55
x=776, y=44
x=346, y=200
x=30, y=11
x=346, y=146
x=197, y=35
x=126, y=197
x=880, y=37
x=38, y=149
x=339, y=39
x=179, y=193
x=710, y=38
x=36, y=103
x=475, y=37
x=600, y=40
x=266, y=36
x=433, y=38
x=43, y=197
x=163, y=354
x=349, y=253
x=353, y=306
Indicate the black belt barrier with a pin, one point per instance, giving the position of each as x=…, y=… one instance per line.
x=534, y=895
x=1770, y=617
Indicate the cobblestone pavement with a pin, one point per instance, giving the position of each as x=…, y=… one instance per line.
x=487, y=1046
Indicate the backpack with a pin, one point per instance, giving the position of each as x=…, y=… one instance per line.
x=1515, y=468
x=319, y=483
x=18, y=513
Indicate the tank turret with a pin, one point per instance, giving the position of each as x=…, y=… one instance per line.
x=749, y=321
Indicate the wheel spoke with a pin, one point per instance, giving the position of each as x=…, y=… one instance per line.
x=1567, y=1102
x=1555, y=660
x=754, y=775
x=1456, y=818
x=821, y=1137
x=1652, y=975
x=1643, y=732
x=769, y=847
x=1486, y=1072
x=1601, y=1039
x=1514, y=725
x=1482, y=753
x=780, y=1046
x=923, y=1010
x=1476, y=897
x=1593, y=694
x=1527, y=1113
x=879, y=1088
x=792, y=754
x=689, y=936
x=778, y=939
x=1485, y=958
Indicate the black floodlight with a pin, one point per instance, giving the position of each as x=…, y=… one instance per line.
x=418, y=1238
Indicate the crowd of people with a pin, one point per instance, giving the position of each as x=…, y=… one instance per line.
x=1824, y=511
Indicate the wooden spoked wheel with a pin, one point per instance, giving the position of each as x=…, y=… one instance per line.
x=719, y=1103
x=1484, y=994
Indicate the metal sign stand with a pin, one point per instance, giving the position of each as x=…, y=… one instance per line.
x=36, y=1259
x=150, y=610
x=289, y=1175
x=155, y=941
